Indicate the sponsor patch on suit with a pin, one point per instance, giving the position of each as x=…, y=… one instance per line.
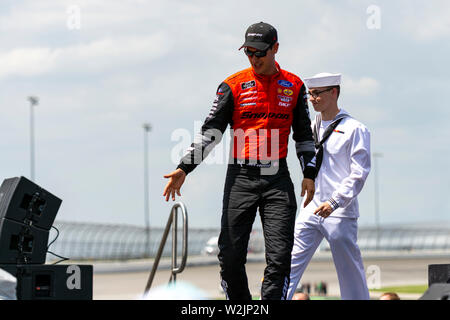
x=248, y=85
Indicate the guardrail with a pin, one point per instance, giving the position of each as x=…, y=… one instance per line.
x=93, y=241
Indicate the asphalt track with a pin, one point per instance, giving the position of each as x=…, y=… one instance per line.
x=127, y=280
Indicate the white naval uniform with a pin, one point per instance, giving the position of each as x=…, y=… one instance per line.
x=344, y=169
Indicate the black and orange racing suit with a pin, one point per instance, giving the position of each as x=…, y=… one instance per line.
x=261, y=111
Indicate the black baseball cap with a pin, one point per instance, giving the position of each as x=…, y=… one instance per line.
x=260, y=36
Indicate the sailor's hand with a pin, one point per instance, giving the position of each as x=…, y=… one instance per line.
x=324, y=210
x=176, y=180
x=309, y=188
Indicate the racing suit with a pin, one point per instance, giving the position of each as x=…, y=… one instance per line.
x=260, y=110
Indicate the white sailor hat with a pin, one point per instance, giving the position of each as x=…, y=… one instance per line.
x=323, y=79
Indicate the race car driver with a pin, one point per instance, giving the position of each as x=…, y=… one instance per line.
x=261, y=104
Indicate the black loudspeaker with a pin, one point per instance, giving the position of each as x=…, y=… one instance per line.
x=21, y=243
x=438, y=273
x=27, y=213
x=437, y=291
x=22, y=200
x=52, y=282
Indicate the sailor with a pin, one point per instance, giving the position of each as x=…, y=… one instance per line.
x=343, y=161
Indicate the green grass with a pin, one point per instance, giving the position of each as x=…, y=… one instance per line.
x=324, y=298
x=404, y=289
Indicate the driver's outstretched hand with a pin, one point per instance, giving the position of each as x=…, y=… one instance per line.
x=176, y=180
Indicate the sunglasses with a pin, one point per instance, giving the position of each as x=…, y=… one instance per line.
x=258, y=54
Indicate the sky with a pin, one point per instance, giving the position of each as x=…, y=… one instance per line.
x=101, y=69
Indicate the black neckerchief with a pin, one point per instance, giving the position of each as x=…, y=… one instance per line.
x=328, y=131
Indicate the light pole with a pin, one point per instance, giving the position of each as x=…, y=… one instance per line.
x=33, y=102
x=377, y=196
x=147, y=128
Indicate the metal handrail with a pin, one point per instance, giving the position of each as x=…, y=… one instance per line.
x=173, y=217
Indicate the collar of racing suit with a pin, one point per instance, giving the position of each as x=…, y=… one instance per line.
x=266, y=78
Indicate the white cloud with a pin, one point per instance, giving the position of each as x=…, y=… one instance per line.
x=95, y=56
x=27, y=61
x=434, y=28
x=33, y=16
x=363, y=86
x=48, y=15
x=425, y=21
